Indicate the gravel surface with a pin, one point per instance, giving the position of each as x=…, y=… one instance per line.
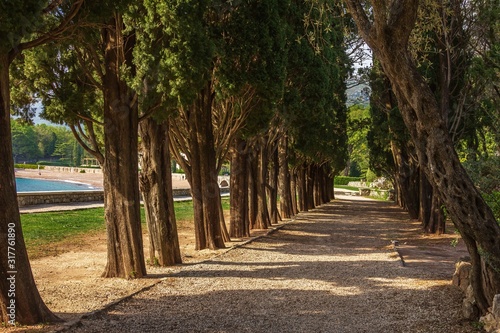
x=331, y=270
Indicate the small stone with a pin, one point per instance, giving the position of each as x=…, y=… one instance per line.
x=495, y=308
x=461, y=277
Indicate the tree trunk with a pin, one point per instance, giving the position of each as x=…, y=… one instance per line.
x=407, y=180
x=209, y=186
x=293, y=189
x=316, y=180
x=238, y=224
x=156, y=187
x=193, y=175
x=302, y=197
x=425, y=200
x=252, y=189
x=284, y=181
x=20, y=301
x=431, y=213
x=273, y=187
x=120, y=168
x=437, y=157
x=262, y=217
x=309, y=174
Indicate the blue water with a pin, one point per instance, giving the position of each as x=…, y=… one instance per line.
x=38, y=185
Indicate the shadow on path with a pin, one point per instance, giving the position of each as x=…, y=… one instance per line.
x=331, y=270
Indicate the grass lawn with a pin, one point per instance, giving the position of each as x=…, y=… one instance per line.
x=42, y=229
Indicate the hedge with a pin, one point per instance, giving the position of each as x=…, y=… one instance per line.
x=27, y=166
x=344, y=180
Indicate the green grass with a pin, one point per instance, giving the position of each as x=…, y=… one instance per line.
x=40, y=230
x=43, y=228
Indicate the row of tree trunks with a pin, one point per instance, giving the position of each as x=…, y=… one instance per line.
x=156, y=188
x=388, y=38
x=414, y=192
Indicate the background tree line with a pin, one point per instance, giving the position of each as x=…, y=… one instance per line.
x=44, y=144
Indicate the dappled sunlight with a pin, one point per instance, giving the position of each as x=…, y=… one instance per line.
x=401, y=283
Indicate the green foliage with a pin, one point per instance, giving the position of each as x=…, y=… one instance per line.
x=486, y=176
x=24, y=142
x=19, y=19
x=371, y=176
x=173, y=52
x=33, y=142
x=357, y=130
x=314, y=106
x=344, y=180
x=28, y=166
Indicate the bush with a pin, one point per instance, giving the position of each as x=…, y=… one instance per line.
x=370, y=176
x=64, y=163
x=27, y=166
x=344, y=180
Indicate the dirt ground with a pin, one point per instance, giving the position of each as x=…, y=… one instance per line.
x=70, y=281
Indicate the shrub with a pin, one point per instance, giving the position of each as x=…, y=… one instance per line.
x=27, y=166
x=344, y=180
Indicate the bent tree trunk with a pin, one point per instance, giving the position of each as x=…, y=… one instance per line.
x=20, y=301
x=120, y=169
x=388, y=37
x=156, y=188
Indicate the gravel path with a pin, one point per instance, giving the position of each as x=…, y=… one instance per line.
x=331, y=270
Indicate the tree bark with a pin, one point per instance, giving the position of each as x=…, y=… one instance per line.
x=238, y=224
x=273, y=187
x=262, y=220
x=407, y=176
x=208, y=186
x=20, y=301
x=310, y=175
x=388, y=39
x=156, y=188
x=293, y=188
x=284, y=180
x=120, y=168
x=302, y=197
x=431, y=213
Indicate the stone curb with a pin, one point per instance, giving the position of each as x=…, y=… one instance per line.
x=395, y=244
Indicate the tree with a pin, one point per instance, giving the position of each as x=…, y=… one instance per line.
x=24, y=142
x=155, y=102
x=314, y=111
x=23, y=24
x=81, y=82
x=387, y=35
x=46, y=140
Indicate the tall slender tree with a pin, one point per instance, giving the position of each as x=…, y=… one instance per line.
x=23, y=25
